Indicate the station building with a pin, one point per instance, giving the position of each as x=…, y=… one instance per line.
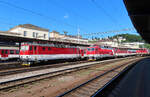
x=30, y=31
x=71, y=38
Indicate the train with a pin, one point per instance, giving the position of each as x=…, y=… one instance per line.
x=9, y=52
x=37, y=52
x=99, y=52
x=31, y=53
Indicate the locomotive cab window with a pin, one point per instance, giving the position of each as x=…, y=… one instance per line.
x=24, y=48
x=90, y=49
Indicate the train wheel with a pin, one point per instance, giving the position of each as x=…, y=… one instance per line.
x=26, y=63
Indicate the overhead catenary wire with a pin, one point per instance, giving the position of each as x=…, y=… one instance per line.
x=112, y=31
x=113, y=20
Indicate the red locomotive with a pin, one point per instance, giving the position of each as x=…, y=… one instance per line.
x=97, y=52
x=142, y=51
x=36, y=52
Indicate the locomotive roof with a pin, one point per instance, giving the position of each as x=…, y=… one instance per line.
x=51, y=45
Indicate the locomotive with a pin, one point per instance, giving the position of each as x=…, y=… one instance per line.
x=96, y=52
x=37, y=52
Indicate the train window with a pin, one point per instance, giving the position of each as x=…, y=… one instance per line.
x=84, y=51
x=93, y=49
x=17, y=51
x=11, y=51
x=90, y=49
x=30, y=48
x=49, y=48
x=6, y=51
x=35, y=48
x=43, y=48
x=24, y=48
x=2, y=51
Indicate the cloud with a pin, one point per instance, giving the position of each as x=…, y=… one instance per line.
x=66, y=16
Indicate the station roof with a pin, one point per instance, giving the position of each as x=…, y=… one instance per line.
x=15, y=38
x=139, y=12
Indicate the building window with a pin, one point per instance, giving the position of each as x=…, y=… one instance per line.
x=25, y=33
x=36, y=35
x=44, y=36
x=33, y=34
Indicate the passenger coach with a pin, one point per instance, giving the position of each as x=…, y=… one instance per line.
x=9, y=52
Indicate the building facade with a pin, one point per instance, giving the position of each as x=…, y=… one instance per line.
x=57, y=35
x=31, y=31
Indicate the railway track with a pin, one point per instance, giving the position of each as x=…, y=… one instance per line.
x=8, y=84
x=29, y=69
x=9, y=65
x=89, y=88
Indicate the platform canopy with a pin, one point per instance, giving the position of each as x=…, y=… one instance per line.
x=17, y=39
x=139, y=12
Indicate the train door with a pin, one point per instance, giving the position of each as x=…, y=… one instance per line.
x=35, y=50
x=4, y=53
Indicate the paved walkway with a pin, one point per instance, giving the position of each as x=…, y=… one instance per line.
x=136, y=83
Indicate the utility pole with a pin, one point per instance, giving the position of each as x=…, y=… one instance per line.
x=78, y=30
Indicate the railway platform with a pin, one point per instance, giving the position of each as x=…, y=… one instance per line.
x=134, y=84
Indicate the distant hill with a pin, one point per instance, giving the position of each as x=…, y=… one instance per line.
x=129, y=37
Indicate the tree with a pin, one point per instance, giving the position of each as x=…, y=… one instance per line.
x=130, y=37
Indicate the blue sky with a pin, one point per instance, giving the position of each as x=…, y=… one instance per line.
x=67, y=15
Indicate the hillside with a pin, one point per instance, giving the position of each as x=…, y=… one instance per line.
x=129, y=37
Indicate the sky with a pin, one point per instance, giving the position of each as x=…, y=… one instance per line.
x=85, y=16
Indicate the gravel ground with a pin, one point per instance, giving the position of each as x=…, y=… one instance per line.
x=54, y=86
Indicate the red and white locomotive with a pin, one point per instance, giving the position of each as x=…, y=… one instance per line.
x=36, y=52
x=96, y=52
x=9, y=52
